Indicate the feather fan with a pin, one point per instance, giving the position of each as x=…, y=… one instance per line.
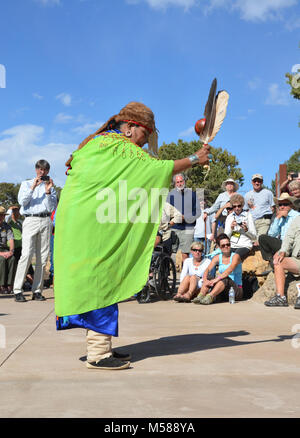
x=221, y=107
x=209, y=112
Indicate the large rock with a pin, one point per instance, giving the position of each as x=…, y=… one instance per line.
x=254, y=265
x=268, y=289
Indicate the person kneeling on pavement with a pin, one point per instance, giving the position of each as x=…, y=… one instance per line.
x=286, y=259
x=230, y=275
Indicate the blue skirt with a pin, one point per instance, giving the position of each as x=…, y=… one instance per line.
x=101, y=320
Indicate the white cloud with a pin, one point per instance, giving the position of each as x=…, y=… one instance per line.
x=87, y=128
x=250, y=10
x=37, y=96
x=163, y=4
x=21, y=147
x=64, y=98
x=187, y=132
x=262, y=10
x=63, y=118
x=293, y=23
x=48, y=2
x=253, y=84
x=277, y=96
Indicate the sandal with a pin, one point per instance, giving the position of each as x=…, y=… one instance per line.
x=186, y=299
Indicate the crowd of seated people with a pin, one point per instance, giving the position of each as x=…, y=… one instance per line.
x=257, y=220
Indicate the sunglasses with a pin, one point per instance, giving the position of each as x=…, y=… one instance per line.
x=284, y=204
x=197, y=250
x=225, y=245
x=237, y=206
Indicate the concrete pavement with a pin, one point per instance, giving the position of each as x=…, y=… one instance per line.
x=189, y=361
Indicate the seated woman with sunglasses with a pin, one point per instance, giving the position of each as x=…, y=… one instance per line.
x=230, y=274
x=240, y=228
x=191, y=274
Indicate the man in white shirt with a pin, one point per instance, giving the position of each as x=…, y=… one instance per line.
x=37, y=198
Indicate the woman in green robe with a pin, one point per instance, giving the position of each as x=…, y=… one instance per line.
x=109, y=211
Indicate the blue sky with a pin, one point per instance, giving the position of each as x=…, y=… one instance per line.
x=71, y=64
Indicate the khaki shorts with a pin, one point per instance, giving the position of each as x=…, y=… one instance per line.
x=297, y=261
x=186, y=238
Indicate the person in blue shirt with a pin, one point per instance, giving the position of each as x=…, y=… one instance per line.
x=230, y=274
x=37, y=198
x=271, y=243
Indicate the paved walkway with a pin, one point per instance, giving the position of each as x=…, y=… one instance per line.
x=189, y=361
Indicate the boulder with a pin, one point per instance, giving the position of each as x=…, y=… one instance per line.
x=268, y=289
x=254, y=265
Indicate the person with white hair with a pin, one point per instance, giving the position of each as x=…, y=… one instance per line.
x=187, y=203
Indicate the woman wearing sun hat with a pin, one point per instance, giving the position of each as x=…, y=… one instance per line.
x=230, y=187
x=104, y=230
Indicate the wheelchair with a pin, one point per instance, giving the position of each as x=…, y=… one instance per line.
x=162, y=279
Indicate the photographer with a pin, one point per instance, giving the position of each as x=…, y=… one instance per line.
x=37, y=198
x=240, y=228
x=286, y=185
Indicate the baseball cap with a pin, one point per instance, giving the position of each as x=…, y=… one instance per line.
x=258, y=176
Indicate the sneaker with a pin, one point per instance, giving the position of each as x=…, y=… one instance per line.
x=38, y=296
x=20, y=298
x=109, y=363
x=198, y=299
x=276, y=301
x=297, y=304
x=207, y=299
x=121, y=356
x=151, y=282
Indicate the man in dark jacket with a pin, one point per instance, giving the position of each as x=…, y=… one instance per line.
x=186, y=201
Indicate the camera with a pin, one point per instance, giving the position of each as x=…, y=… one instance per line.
x=294, y=175
x=45, y=178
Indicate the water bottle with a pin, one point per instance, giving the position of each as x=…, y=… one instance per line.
x=231, y=296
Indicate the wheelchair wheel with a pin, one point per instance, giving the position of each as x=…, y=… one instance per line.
x=165, y=278
x=143, y=296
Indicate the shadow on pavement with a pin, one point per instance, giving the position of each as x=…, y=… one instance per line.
x=183, y=344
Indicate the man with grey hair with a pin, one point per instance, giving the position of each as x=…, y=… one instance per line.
x=187, y=203
x=37, y=198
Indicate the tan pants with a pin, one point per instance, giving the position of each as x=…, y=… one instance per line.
x=262, y=226
x=98, y=346
x=36, y=234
